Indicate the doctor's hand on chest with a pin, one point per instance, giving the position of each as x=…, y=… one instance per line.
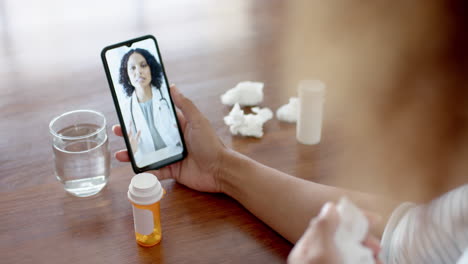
x=133, y=138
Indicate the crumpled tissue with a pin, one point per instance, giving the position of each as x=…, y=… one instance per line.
x=351, y=232
x=245, y=93
x=250, y=124
x=288, y=112
x=464, y=258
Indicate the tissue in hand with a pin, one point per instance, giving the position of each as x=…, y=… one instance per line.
x=351, y=232
x=250, y=124
x=245, y=93
x=288, y=112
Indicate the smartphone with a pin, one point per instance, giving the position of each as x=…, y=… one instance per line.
x=140, y=91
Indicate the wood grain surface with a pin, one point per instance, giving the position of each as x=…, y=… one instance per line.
x=44, y=224
x=51, y=64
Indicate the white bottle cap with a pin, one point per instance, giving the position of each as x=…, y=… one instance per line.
x=145, y=189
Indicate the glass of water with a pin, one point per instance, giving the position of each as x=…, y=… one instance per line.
x=81, y=151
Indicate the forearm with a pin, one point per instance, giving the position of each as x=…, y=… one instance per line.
x=283, y=202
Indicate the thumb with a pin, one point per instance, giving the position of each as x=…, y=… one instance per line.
x=188, y=108
x=329, y=218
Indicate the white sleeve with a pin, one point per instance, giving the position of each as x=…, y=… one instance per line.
x=432, y=233
x=395, y=223
x=138, y=158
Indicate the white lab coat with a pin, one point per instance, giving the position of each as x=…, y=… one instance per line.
x=164, y=122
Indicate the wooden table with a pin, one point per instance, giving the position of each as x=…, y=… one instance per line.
x=50, y=64
x=44, y=224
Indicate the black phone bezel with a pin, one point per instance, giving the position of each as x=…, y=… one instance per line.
x=158, y=164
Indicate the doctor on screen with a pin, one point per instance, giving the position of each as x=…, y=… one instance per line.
x=151, y=125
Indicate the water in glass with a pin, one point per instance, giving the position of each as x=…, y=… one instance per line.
x=82, y=165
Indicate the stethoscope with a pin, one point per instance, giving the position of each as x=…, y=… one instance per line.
x=160, y=99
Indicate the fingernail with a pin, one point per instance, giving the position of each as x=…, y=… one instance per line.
x=325, y=208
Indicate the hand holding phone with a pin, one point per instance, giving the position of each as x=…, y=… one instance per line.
x=199, y=170
x=140, y=91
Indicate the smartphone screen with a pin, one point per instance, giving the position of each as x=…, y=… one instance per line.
x=140, y=90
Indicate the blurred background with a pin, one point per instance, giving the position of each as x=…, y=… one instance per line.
x=396, y=75
x=397, y=90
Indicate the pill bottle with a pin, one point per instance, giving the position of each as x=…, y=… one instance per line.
x=310, y=111
x=145, y=192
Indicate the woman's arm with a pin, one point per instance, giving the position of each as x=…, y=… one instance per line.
x=287, y=203
x=284, y=202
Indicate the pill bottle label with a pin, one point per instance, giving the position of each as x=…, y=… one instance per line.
x=143, y=220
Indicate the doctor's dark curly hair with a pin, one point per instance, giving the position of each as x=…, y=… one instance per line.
x=155, y=68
